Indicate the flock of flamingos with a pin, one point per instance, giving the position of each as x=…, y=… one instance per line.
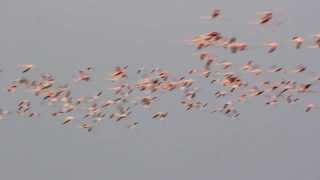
x=230, y=85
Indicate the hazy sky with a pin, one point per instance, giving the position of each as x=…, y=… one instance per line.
x=61, y=36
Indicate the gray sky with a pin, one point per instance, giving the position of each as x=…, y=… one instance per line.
x=61, y=36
